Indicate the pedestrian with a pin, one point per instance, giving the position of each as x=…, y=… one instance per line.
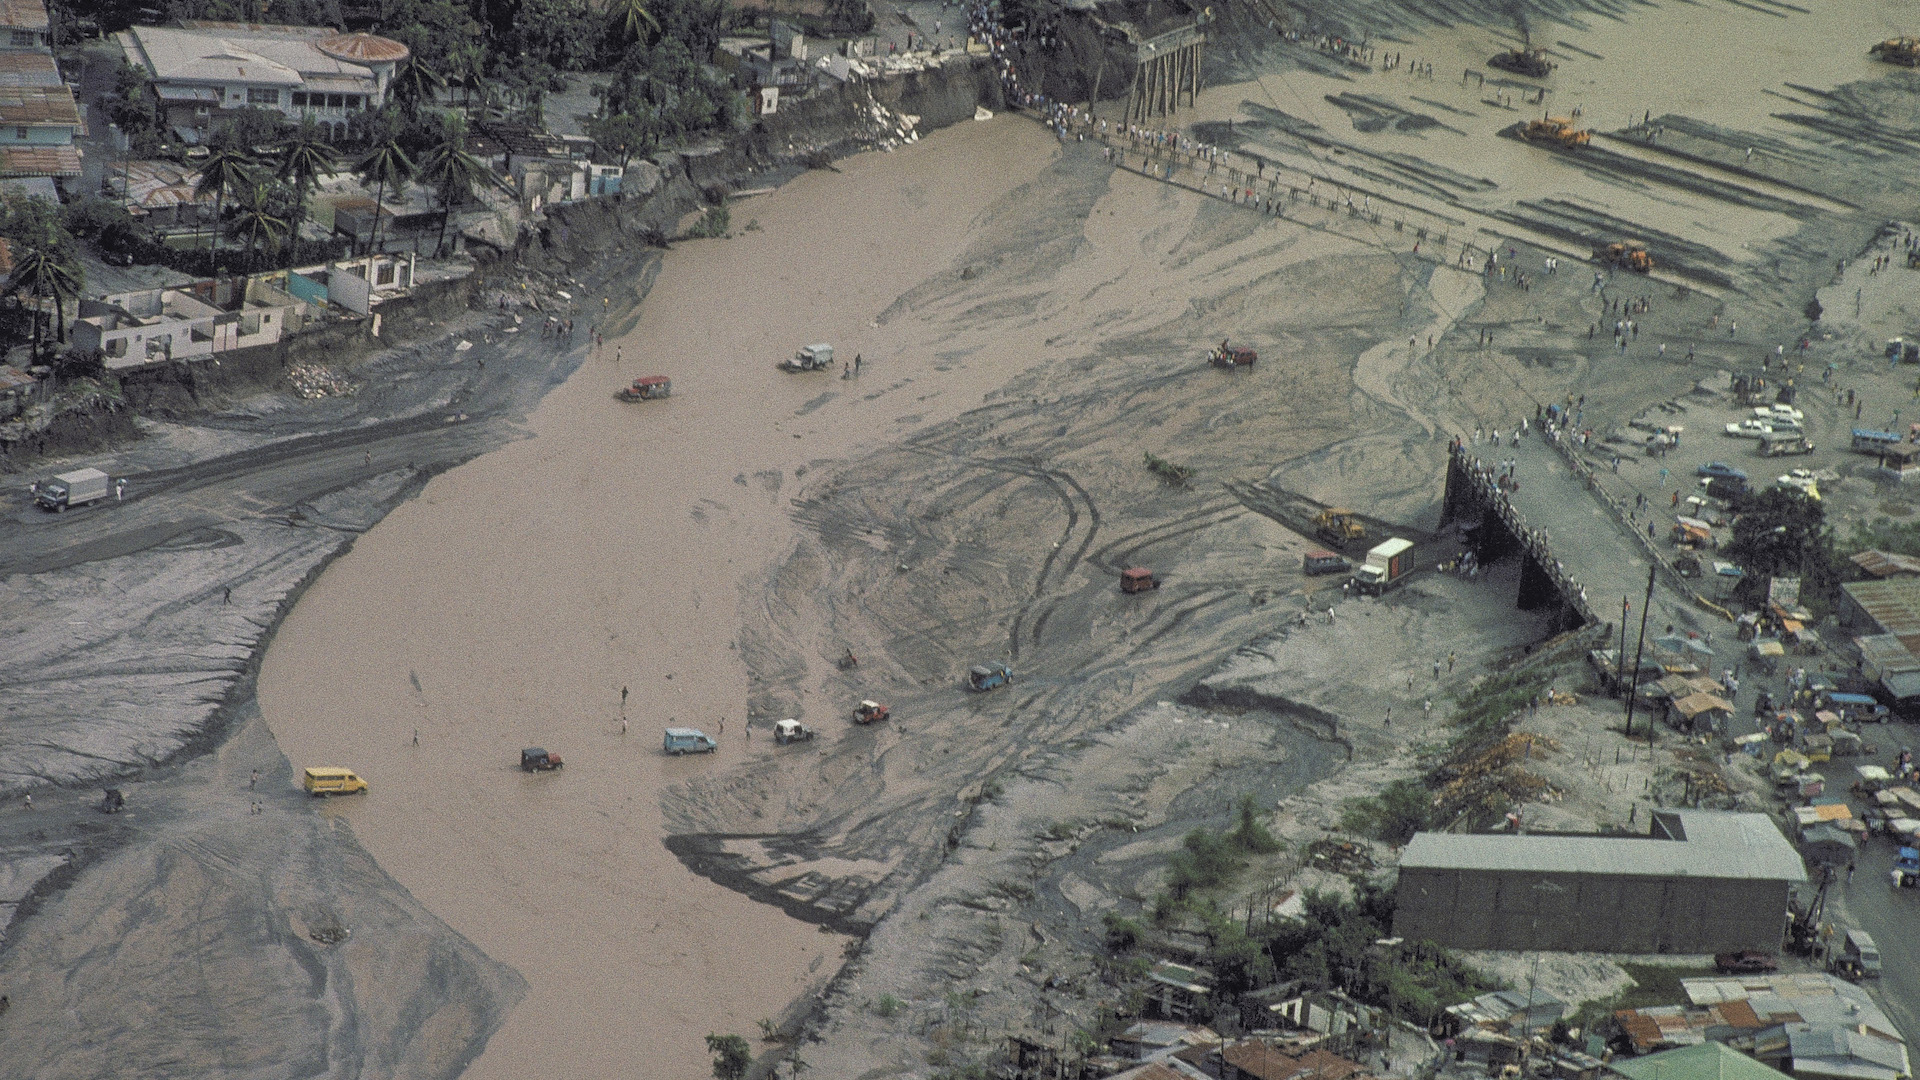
x=623, y=701
x=1329, y=615
x=1849, y=872
x=723, y=725
x=29, y=800
x=1676, y=497
x=1449, y=663
x=1428, y=708
x=226, y=594
x=1436, y=670
x=416, y=736
x=369, y=458
x=856, y=363
x=253, y=780
x=119, y=490
x=1389, y=720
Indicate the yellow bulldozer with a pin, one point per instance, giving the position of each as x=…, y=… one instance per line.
x=1339, y=527
x=1557, y=130
x=1631, y=255
x=1900, y=50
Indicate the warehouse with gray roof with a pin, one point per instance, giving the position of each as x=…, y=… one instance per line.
x=1699, y=882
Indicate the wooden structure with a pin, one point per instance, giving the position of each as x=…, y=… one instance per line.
x=1164, y=68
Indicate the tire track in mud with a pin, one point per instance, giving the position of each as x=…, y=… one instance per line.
x=1163, y=532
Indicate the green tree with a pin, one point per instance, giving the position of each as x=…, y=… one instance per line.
x=1252, y=836
x=250, y=130
x=452, y=171
x=732, y=1057
x=1784, y=533
x=226, y=169
x=625, y=135
x=1402, y=808
x=258, y=221
x=385, y=164
x=417, y=85
x=40, y=273
x=630, y=20
x=304, y=155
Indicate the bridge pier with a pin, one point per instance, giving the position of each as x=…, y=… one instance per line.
x=1473, y=493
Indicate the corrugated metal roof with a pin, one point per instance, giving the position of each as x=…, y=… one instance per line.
x=1730, y=846
x=1707, y=1061
x=1893, y=604
x=39, y=161
x=1883, y=564
x=28, y=69
x=24, y=15
x=36, y=105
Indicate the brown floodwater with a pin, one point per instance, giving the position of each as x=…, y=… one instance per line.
x=522, y=591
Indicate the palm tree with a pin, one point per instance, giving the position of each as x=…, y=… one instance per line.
x=452, y=171
x=630, y=19
x=39, y=272
x=386, y=163
x=257, y=221
x=304, y=155
x=226, y=168
x=416, y=85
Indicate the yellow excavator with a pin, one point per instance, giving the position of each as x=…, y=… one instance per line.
x=1557, y=130
x=1339, y=527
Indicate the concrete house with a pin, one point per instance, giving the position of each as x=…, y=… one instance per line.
x=202, y=67
x=1700, y=882
x=24, y=26
x=157, y=325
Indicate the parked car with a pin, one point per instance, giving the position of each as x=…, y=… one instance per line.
x=1783, y=412
x=1749, y=429
x=331, y=780
x=791, y=731
x=1800, y=480
x=1746, y=961
x=1720, y=470
x=535, y=759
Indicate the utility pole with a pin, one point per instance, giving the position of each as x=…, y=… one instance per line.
x=1620, y=665
x=1639, y=650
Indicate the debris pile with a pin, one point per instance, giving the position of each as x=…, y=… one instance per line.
x=1492, y=780
x=1341, y=857
x=313, y=382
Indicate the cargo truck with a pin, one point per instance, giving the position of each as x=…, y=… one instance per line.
x=1386, y=564
x=75, y=488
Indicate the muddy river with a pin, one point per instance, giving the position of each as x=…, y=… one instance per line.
x=512, y=603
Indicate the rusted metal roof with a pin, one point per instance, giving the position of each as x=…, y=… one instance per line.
x=28, y=69
x=1883, y=564
x=38, y=105
x=363, y=48
x=39, y=161
x=1893, y=604
x=24, y=15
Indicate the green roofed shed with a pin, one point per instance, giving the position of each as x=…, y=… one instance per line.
x=1707, y=1061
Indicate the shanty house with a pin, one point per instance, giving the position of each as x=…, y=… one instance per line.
x=1706, y=1061
x=1700, y=882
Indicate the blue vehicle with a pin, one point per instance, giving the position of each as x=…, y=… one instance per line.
x=1906, y=869
x=686, y=740
x=988, y=676
x=1868, y=441
x=1859, y=707
x=1720, y=470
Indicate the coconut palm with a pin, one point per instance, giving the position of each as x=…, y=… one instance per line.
x=385, y=164
x=225, y=169
x=417, y=84
x=452, y=171
x=304, y=155
x=257, y=221
x=39, y=273
x=630, y=19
